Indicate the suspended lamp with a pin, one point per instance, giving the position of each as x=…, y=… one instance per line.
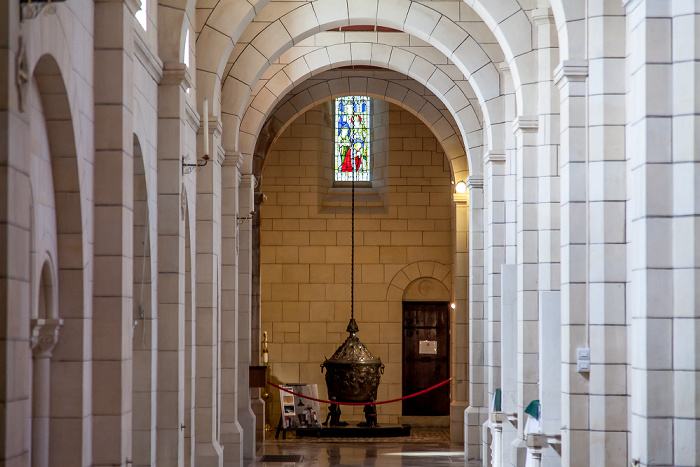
x=352, y=373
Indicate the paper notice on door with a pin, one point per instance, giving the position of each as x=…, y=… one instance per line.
x=427, y=347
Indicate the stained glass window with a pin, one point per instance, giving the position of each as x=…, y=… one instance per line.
x=352, y=148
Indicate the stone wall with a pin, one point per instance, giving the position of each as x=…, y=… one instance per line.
x=306, y=245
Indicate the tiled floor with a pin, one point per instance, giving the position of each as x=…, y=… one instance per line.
x=425, y=446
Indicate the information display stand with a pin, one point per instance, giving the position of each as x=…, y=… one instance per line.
x=299, y=414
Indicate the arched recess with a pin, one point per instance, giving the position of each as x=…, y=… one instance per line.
x=414, y=271
x=68, y=417
x=144, y=342
x=459, y=328
x=439, y=121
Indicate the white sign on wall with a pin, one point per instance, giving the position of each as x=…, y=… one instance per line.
x=427, y=347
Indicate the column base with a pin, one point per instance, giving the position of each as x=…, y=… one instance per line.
x=257, y=405
x=518, y=452
x=457, y=422
x=246, y=418
x=474, y=418
x=209, y=454
x=232, y=443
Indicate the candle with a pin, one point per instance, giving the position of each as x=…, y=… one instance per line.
x=206, y=127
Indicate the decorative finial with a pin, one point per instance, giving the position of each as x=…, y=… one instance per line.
x=352, y=326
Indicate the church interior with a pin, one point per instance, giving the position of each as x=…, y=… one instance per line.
x=195, y=191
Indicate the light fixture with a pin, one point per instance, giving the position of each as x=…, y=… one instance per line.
x=188, y=168
x=453, y=305
x=461, y=187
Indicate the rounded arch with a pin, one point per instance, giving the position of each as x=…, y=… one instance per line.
x=451, y=94
x=454, y=94
x=47, y=292
x=414, y=271
x=144, y=327
x=437, y=121
x=62, y=365
x=282, y=34
x=426, y=289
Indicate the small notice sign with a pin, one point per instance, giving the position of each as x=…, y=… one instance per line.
x=427, y=347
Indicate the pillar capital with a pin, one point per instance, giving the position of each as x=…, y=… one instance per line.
x=570, y=70
x=44, y=336
x=526, y=124
x=474, y=182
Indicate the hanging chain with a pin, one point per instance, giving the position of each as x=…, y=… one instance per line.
x=352, y=239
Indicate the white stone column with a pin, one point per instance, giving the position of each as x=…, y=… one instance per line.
x=208, y=451
x=651, y=158
x=686, y=231
x=607, y=196
x=525, y=129
x=469, y=267
x=113, y=218
x=231, y=430
x=246, y=417
x=509, y=360
x=44, y=337
x=494, y=257
x=570, y=77
x=172, y=209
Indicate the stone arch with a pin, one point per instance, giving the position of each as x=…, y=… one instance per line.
x=452, y=96
x=251, y=63
x=426, y=289
x=65, y=376
x=414, y=271
x=416, y=104
x=144, y=327
x=569, y=20
x=47, y=293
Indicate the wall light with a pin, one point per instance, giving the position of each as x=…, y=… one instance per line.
x=461, y=187
x=453, y=305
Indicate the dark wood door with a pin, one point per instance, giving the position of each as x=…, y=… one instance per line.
x=426, y=358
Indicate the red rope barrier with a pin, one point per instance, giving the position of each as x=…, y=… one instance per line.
x=415, y=394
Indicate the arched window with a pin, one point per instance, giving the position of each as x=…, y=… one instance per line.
x=352, y=139
x=142, y=15
x=186, y=50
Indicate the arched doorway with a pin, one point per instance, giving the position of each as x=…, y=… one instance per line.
x=426, y=347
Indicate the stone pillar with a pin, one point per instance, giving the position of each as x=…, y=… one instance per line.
x=44, y=336
x=469, y=221
x=550, y=362
x=607, y=252
x=231, y=430
x=662, y=154
x=246, y=417
x=570, y=77
x=172, y=210
x=685, y=232
x=494, y=257
x=509, y=357
x=525, y=129
x=113, y=221
x=208, y=451
x=256, y=400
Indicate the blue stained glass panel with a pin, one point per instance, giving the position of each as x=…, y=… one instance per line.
x=352, y=139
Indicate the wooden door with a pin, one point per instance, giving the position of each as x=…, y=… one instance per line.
x=426, y=358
